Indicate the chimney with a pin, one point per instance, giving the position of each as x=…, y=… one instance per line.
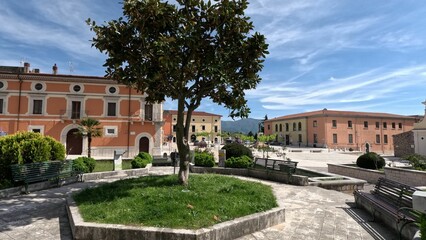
x=55, y=69
x=26, y=67
x=36, y=70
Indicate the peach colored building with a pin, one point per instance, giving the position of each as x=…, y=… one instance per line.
x=200, y=122
x=53, y=104
x=340, y=129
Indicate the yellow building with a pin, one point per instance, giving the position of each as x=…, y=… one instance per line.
x=290, y=131
x=203, y=125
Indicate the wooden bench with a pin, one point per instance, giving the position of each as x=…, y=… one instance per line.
x=41, y=171
x=277, y=164
x=316, y=151
x=288, y=166
x=161, y=161
x=392, y=198
x=296, y=150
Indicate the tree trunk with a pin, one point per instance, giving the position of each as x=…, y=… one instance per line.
x=89, y=146
x=182, y=141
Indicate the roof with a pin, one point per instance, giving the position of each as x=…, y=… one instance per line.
x=195, y=113
x=55, y=77
x=336, y=113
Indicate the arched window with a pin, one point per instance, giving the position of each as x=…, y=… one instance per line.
x=300, y=126
x=281, y=127
x=286, y=127
x=276, y=127
x=294, y=126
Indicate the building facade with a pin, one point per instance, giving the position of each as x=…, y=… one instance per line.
x=419, y=134
x=203, y=125
x=53, y=104
x=340, y=129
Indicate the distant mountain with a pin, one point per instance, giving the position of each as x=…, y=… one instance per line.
x=243, y=125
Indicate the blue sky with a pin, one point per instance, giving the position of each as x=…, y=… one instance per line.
x=334, y=54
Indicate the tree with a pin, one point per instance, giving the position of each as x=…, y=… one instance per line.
x=89, y=127
x=193, y=50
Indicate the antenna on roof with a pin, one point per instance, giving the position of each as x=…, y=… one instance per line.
x=71, y=67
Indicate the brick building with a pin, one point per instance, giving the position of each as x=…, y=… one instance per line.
x=53, y=104
x=340, y=129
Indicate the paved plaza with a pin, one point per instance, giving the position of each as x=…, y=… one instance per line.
x=311, y=212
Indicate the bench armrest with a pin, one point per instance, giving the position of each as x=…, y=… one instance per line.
x=407, y=212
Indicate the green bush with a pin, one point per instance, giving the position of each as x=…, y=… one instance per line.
x=417, y=161
x=57, y=149
x=370, y=160
x=27, y=147
x=141, y=160
x=84, y=164
x=204, y=159
x=79, y=166
x=239, y=162
x=237, y=150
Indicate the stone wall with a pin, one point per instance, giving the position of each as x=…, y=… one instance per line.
x=368, y=175
x=403, y=144
x=406, y=176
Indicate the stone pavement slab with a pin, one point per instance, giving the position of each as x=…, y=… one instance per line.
x=311, y=213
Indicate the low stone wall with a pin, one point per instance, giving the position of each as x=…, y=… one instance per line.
x=226, y=230
x=407, y=176
x=129, y=172
x=368, y=175
x=256, y=173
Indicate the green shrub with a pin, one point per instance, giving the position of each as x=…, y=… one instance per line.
x=57, y=149
x=27, y=147
x=370, y=160
x=417, y=161
x=239, y=162
x=141, y=160
x=422, y=226
x=84, y=164
x=204, y=159
x=138, y=162
x=35, y=150
x=79, y=166
x=237, y=150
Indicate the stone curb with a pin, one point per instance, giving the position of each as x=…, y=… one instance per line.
x=226, y=230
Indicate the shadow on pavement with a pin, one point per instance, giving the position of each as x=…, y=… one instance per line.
x=376, y=229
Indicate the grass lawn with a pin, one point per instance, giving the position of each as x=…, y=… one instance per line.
x=159, y=201
x=108, y=165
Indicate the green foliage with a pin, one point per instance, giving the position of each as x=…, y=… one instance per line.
x=237, y=150
x=27, y=147
x=84, y=164
x=239, y=162
x=370, y=160
x=5, y=183
x=141, y=160
x=57, y=149
x=417, y=161
x=188, y=51
x=203, y=159
x=159, y=201
x=89, y=127
x=35, y=150
x=266, y=138
x=423, y=226
x=79, y=166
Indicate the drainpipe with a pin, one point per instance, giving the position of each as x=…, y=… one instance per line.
x=19, y=102
x=128, y=124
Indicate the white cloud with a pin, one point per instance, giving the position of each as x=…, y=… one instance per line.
x=360, y=88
